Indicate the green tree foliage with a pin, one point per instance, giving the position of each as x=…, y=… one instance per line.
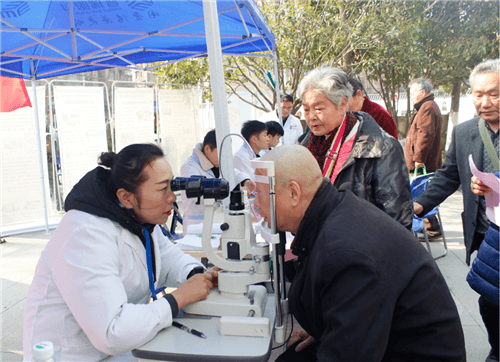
x=392, y=41
x=308, y=34
x=438, y=40
x=460, y=35
x=396, y=49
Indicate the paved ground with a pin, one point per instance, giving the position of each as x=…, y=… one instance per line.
x=20, y=255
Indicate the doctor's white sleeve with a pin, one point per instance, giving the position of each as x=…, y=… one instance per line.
x=89, y=275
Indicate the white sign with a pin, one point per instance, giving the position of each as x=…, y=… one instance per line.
x=178, y=119
x=82, y=131
x=21, y=185
x=134, y=116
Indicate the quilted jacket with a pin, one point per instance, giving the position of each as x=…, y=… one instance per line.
x=484, y=275
x=376, y=171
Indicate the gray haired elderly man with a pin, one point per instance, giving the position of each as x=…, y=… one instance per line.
x=423, y=142
x=466, y=140
x=352, y=151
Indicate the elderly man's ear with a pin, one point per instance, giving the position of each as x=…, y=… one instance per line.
x=294, y=193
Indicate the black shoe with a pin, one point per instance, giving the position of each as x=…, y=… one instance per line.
x=492, y=357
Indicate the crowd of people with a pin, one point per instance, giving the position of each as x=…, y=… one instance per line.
x=363, y=287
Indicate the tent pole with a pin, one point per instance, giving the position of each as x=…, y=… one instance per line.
x=277, y=86
x=221, y=112
x=39, y=145
x=279, y=261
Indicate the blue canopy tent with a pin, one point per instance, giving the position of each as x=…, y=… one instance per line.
x=65, y=37
x=41, y=39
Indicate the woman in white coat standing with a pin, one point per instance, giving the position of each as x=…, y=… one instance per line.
x=94, y=280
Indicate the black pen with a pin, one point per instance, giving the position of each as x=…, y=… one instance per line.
x=189, y=330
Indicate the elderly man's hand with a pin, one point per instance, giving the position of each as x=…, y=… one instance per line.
x=417, y=208
x=478, y=188
x=301, y=335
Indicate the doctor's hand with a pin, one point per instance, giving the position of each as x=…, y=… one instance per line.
x=478, y=188
x=214, y=271
x=301, y=335
x=193, y=290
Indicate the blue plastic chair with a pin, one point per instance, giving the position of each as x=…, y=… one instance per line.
x=418, y=186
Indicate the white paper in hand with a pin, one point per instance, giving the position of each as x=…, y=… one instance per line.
x=492, y=198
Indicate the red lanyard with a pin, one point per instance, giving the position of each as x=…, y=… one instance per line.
x=333, y=152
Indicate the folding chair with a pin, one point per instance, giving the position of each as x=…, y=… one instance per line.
x=418, y=186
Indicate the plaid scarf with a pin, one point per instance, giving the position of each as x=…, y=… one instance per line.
x=319, y=145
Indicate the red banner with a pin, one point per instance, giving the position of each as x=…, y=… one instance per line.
x=13, y=94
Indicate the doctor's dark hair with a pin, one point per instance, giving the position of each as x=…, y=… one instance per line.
x=210, y=140
x=286, y=98
x=252, y=128
x=274, y=128
x=127, y=165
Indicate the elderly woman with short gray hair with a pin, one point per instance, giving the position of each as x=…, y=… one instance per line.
x=350, y=147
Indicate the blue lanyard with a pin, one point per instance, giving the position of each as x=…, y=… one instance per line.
x=150, y=267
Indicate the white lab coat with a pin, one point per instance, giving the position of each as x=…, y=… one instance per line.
x=292, y=128
x=199, y=164
x=90, y=289
x=241, y=161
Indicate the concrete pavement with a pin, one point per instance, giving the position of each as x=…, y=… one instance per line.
x=19, y=256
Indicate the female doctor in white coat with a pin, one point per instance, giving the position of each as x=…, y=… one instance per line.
x=94, y=280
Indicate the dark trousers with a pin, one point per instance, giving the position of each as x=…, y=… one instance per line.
x=489, y=313
x=308, y=354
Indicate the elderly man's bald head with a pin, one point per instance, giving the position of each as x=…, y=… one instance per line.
x=295, y=163
x=298, y=178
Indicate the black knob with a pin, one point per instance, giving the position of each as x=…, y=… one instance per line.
x=224, y=226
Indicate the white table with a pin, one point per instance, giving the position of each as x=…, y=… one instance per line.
x=173, y=344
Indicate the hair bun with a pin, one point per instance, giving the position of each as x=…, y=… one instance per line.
x=107, y=159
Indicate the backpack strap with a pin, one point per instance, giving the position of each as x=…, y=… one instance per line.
x=490, y=149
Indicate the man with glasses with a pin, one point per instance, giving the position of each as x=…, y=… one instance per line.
x=291, y=124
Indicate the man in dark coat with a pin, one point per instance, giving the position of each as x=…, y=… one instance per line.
x=423, y=141
x=465, y=141
x=365, y=290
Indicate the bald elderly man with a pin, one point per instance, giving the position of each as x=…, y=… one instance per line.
x=361, y=293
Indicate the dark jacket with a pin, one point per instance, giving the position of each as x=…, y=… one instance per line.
x=483, y=275
x=376, y=171
x=465, y=140
x=367, y=294
x=423, y=141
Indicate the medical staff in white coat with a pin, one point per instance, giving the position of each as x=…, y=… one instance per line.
x=291, y=124
x=205, y=162
x=255, y=133
x=91, y=292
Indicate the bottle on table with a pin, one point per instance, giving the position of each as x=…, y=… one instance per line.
x=43, y=352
